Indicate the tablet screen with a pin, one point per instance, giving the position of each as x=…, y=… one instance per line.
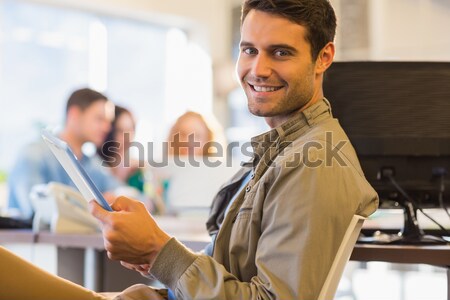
x=75, y=170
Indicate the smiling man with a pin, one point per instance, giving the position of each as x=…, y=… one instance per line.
x=276, y=66
x=277, y=225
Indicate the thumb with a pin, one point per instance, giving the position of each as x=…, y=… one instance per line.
x=97, y=211
x=123, y=203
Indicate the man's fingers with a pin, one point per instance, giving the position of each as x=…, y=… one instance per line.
x=97, y=211
x=109, y=197
x=130, y=266
x=123, y=203
x=144, y=269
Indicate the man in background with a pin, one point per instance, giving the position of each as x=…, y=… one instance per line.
x=88, y=119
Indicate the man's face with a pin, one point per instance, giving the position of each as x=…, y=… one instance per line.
x=95, y=121
x=275, y=66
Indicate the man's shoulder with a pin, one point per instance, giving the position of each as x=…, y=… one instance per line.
x=100, y=173
x=94, y=163
x=325, y=144
x=328, y=131
x=32, y=159
x=35, y=151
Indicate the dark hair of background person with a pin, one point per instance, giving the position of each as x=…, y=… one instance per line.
x=105, y=150
x=83, y=98
x=316, y=15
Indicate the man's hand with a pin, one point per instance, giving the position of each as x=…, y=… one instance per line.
x=109, y=197
x=143, y=269
x=130, y=233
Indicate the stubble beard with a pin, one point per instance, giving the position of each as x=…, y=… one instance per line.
x=296, y=97
x=288, y=104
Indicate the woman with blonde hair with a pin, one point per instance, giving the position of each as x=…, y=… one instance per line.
x=194, y=134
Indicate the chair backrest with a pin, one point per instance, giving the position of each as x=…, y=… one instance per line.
x=343, y=255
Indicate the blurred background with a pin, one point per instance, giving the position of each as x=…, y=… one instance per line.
x=161, y=58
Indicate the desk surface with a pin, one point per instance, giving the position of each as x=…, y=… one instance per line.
x=194, y=227
x=17, y=236
x=194, y=241
x=190, y=231
x=432, y=255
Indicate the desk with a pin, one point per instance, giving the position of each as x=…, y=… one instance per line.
x=17, y=236
x=82, y=259
x=431, y=255
x=193, y=235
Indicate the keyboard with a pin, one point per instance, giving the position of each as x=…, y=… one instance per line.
x=11, y=223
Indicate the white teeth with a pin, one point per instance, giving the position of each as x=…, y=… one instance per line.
x=264, y=88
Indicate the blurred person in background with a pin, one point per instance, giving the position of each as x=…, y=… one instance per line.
x=193, y=134
x=115, y=154
x=115, y=149
x=88, y=119
x=193, y=139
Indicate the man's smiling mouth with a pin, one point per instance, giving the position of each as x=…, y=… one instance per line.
x=265, y=88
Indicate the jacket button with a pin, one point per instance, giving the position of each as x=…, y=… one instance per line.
x=252, y=175
x=247, y=189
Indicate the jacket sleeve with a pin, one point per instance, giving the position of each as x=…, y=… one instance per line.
x=304, y=215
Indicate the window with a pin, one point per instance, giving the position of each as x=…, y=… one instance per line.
x=46, y=52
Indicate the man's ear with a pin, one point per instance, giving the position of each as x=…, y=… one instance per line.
x=325, y=58
x=73, y=113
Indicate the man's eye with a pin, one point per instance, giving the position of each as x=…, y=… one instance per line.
x=282, y=53
x=249, y=51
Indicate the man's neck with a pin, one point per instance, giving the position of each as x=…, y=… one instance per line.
x=74, y=143
x=276, y=121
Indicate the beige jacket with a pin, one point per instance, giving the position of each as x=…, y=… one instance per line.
x=280, y=235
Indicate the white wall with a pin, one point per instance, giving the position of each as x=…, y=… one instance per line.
x=414, y=30
x=410, y=29
x=207, y=22
x=390, y=30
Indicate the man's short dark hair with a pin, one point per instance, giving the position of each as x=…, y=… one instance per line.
x=316, y=15
x=83, y=98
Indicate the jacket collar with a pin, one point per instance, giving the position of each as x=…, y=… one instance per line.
x=289, y=130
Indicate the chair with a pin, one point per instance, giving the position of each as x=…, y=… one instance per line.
x=342, y=256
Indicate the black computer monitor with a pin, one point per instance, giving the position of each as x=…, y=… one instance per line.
x=397, y=116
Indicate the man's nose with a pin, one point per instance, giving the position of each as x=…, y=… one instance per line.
x=261, y=67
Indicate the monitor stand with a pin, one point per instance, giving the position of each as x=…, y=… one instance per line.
x=411, y=234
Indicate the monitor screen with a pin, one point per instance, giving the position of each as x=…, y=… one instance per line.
x=397, y=115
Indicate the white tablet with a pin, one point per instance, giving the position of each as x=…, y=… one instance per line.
x=75, y=170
